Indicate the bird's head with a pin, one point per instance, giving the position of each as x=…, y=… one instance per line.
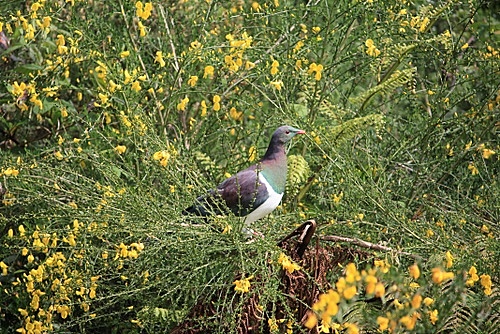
x=285, y=133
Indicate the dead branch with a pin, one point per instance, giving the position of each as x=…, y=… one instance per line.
x=366, y=244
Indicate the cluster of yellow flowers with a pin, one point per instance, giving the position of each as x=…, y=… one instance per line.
x=288, y=263
x=164, y=156
x=235, y=59
x=242, y=285
x=406, y=312
x=346, y=288
x=56, y=282
x=143, y=11
x=371, y=49
x=53, y=284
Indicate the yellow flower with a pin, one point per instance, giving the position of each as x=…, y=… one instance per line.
x=428, y=301
x=383, y=265
x=473, y=169
x=449, y=259
x=203, y=109
x=18, y=89
x=30, y=32
x=249, y=65
x=350, y=292
x=120, y=149
x=61, y=44
x=143, y=11
x=424, y=23
x=4, y=268
x=317, y=69
x=416, y=301
x=433, y=316
x=256, y=6
x=64, y=112
x=236, y=115
x=371, y=48
x=371, y=282
x=316, y=137
x=182, y=105
x=252, y=153
x=473, y=276
x=142, y=29
x=63, y=310
x=276, y=84
x=409, y=321
x=298, y=64
x=312, y=320
x=298, y=46
x=273, y=325
x=383, y=323
x=487, y=153
x=208, y=72
x=242, y=285
x=287, y=263
x=352, y=329
x=124, y=54
x=113, y=86
x=486, y=283
x=23, y=312
x=163, y=157
x=11, y=172
x=379, y=290
x=192, y=80
x=45, y=22
x=352, y=274
x=216, y=101
x=36, y=101
x=58, y=155
x=414, y=271
x=195, y=45
x=136, y=86
x=159, y=58
x=274, y=67
x=338, y=198
x=103, y=97
x=439, y=275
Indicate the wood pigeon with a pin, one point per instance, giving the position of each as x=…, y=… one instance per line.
x=254, y=192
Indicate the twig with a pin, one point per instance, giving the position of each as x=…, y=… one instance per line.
x=366, y=244
x=136, y=49
x=306, y=232
x=175, y=64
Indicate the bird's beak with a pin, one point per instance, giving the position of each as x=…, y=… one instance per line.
x=301, y=132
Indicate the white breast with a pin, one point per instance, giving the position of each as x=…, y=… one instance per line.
x=268, y=206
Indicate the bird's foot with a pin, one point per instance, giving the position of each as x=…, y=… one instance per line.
x=251, y=234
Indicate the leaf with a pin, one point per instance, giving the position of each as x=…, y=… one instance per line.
x=396, y=80
x=28, y=68
x=300, y=110
x=298, y=173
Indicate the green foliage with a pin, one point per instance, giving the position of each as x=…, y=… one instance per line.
x=116, y=115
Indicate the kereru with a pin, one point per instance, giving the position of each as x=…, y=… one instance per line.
x=254, y=192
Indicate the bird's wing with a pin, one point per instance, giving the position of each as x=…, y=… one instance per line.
x=241, y=194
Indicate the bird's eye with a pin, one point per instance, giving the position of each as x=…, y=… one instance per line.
x=287, y=132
